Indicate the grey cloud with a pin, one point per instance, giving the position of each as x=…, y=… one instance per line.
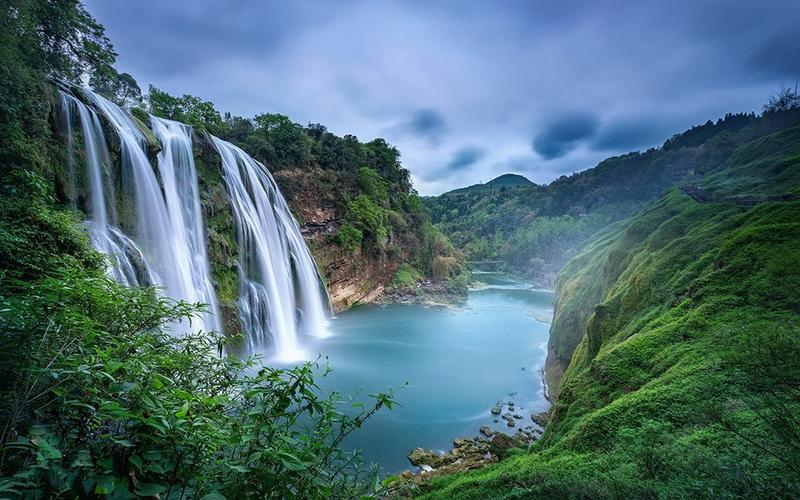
x=630, y=134
x=560, y=136
x=460, y=160
x=426, y=124
x=465, y=157
x=779, y=56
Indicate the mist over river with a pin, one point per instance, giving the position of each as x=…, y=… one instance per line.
x=458, y=362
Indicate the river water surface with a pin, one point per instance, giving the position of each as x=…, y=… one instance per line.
x=458, y=363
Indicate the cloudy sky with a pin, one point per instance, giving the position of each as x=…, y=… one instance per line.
x=469, y=90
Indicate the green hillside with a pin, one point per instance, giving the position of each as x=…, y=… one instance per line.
x=681, y=325
x=539, y=228
x=509, y=180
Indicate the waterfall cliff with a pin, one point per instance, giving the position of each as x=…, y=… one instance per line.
x=163, y=241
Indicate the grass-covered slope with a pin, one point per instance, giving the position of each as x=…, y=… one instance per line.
x=686, y=377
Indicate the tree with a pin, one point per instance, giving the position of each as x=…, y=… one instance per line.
x=118, y=87
x=40, y=39
x=188, y=109
x=786, y=99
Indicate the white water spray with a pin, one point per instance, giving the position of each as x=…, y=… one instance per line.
x=280, y=288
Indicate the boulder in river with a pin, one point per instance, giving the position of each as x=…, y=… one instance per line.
x=540, y=418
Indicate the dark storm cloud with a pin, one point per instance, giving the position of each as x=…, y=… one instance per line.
x=427, y=124
x=558, y=137
x=779, y=56
x=435, y=76
x=630, y=134
x=461, y=159
x=465, y=157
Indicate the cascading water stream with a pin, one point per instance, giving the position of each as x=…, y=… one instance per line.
x=181, y=195
x=280, y=288
x=169, y=229
x=171, y=239
x=127, y=263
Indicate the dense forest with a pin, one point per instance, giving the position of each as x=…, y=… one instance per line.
x=540, y=227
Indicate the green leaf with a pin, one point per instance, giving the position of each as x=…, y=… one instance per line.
x=105, y=485
x=82, y=459
x=291, y=462
x=213, y=496
x=149, y=489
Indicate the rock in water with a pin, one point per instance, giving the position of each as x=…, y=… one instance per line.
x=496, y=410
x=540, y=418
x=459, y=442
x=486, y=431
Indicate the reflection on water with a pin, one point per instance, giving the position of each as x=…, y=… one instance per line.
x=458, y=363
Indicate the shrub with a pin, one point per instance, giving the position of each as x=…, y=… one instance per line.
x=349, y=237
x=103, y=398
x=373, y=185
x=405, y=275
x=365, y=215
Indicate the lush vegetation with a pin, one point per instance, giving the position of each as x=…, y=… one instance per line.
x=676, y=330
x=539, y=228
x=106, y=390
x=680, y=328
x=103, y=398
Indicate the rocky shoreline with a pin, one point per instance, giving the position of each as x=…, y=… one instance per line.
x=468, y=452
x=424, y=293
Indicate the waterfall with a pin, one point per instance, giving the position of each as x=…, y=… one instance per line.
x=127, y=264
x=169, y=227
x=280, y=288
x=167, y=247
x=281, y=297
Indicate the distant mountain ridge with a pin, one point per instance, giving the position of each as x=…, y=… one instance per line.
x=509, y=180
x=537, y=228
x=505, y=180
